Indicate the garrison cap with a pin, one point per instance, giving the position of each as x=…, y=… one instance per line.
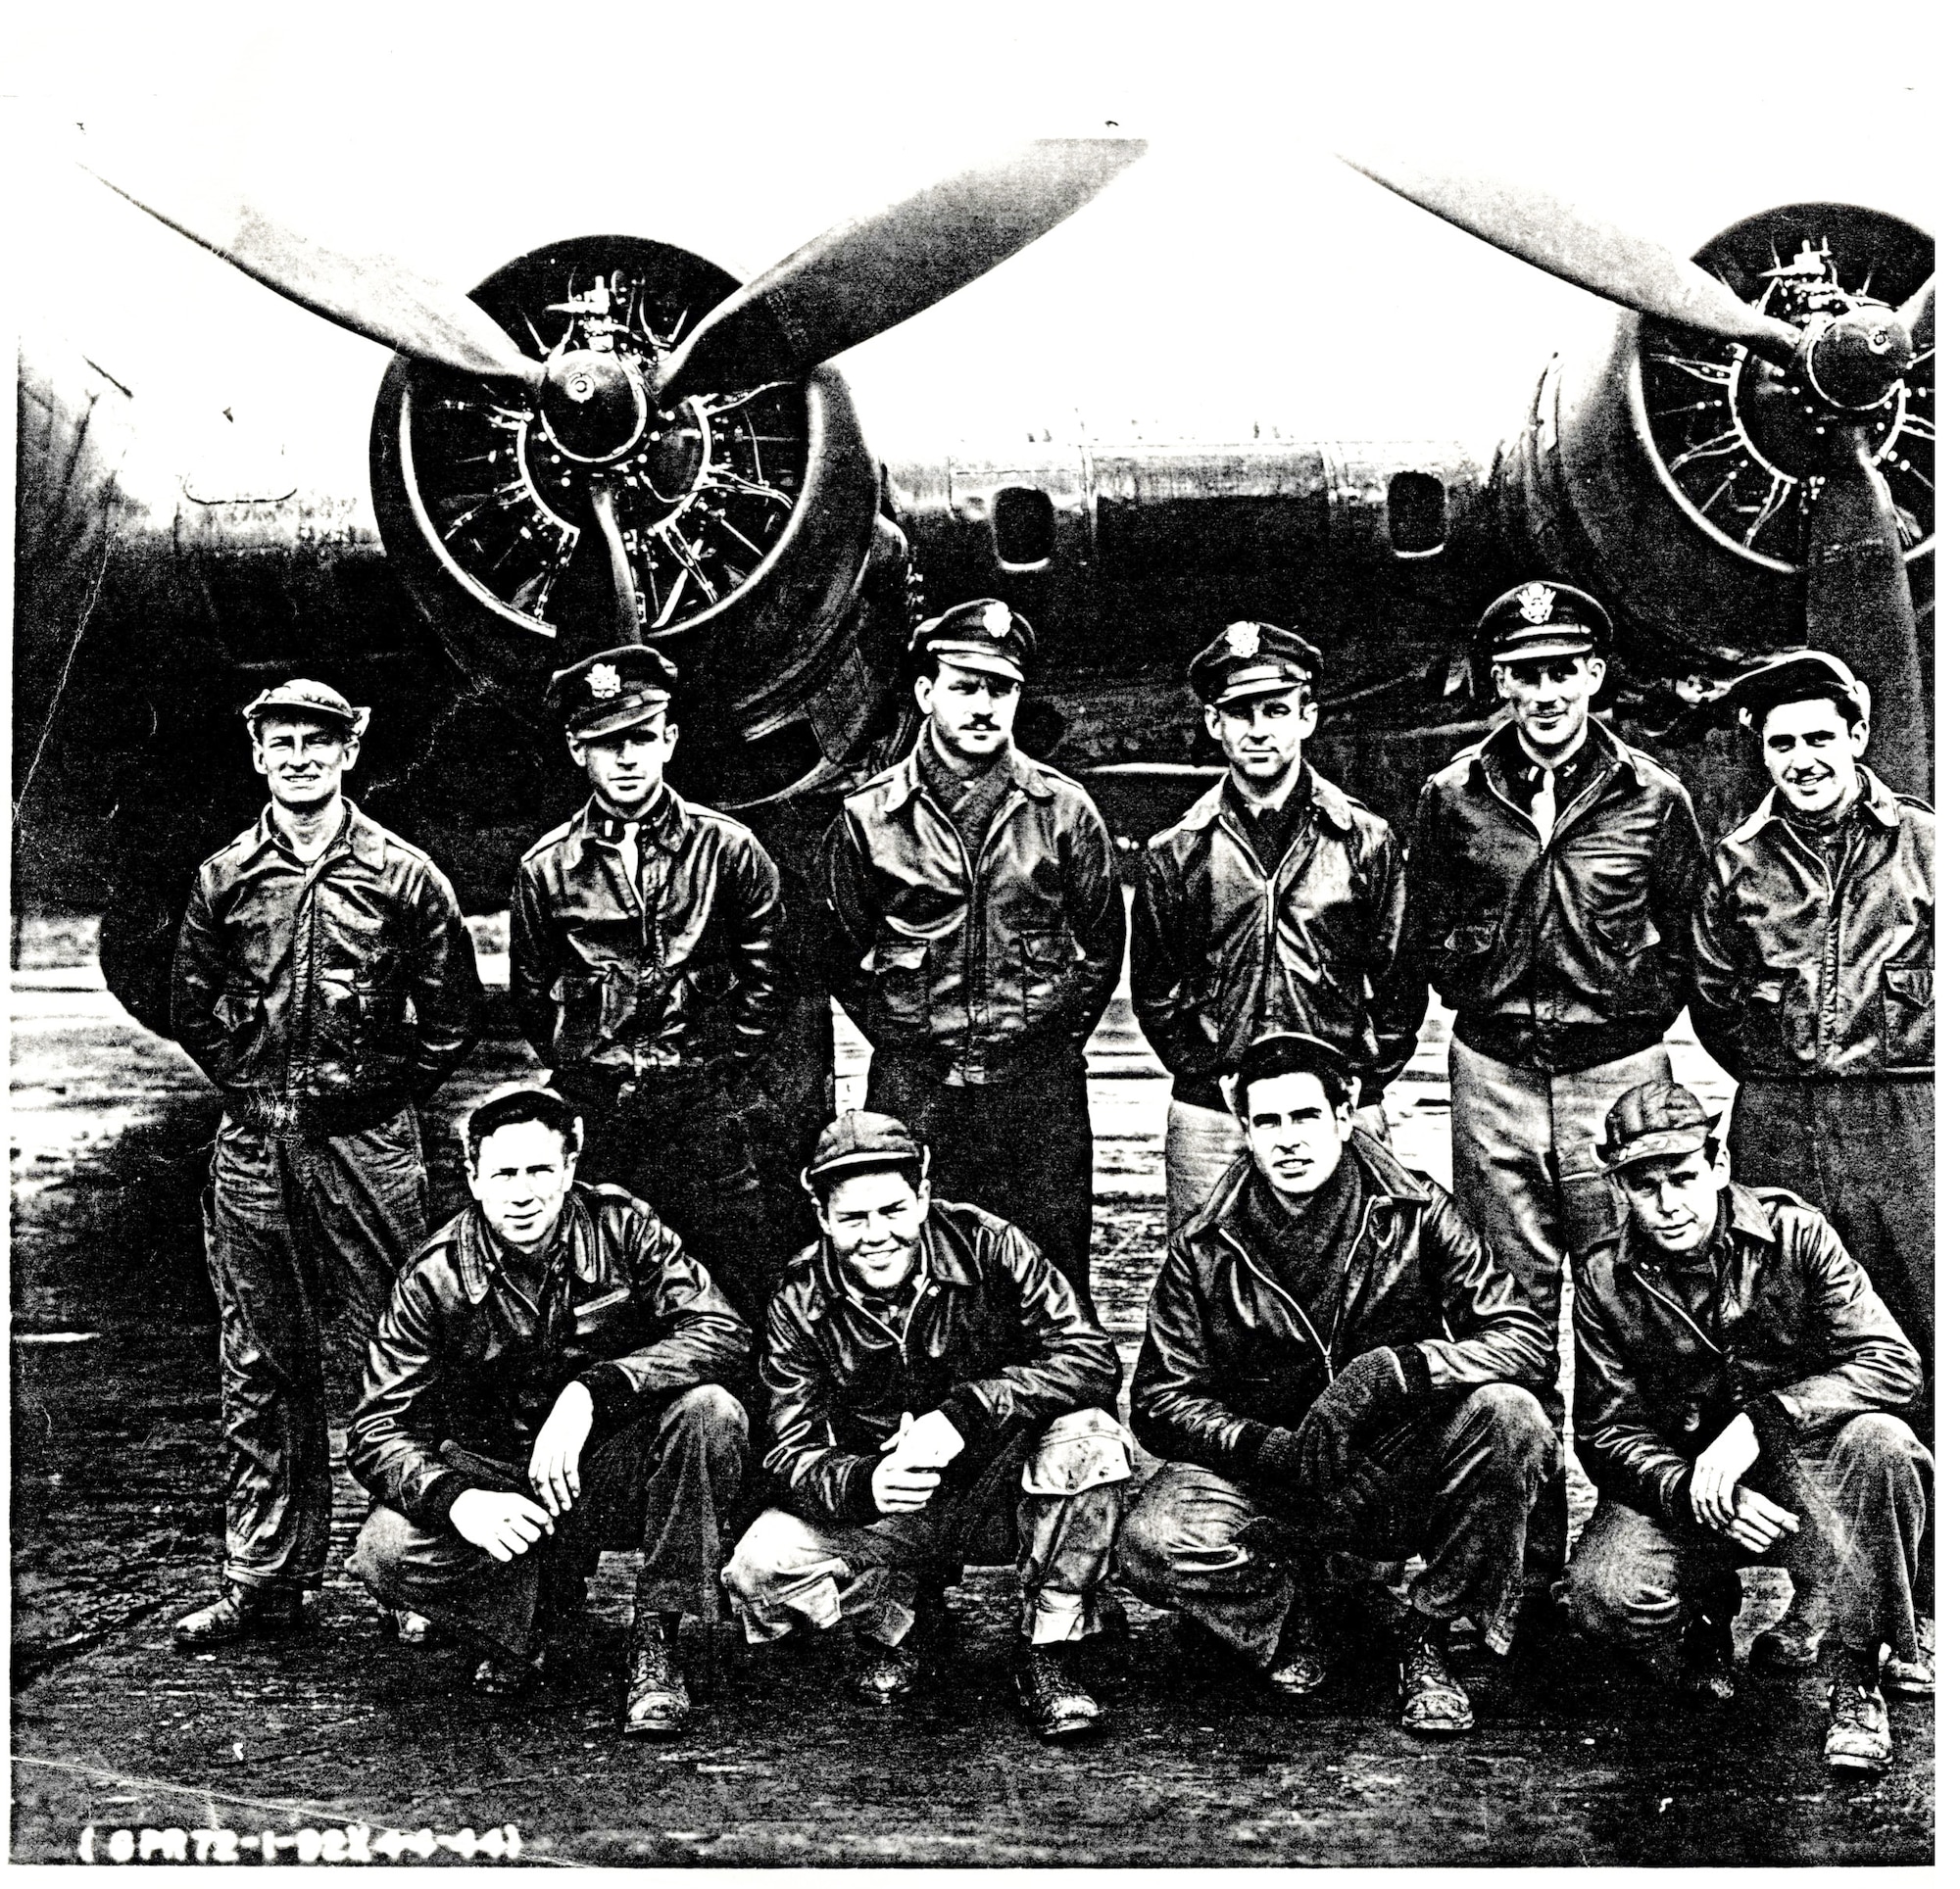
x=306, y=700
x=1254, y=659
x=1288, y=1052
x=611, y=689
x=1653, y=1119
x=1797, y=675
x=985, y=635
x=860, y=1140
x=1541, y=619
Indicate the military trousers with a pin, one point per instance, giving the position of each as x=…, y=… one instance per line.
x=666, y=1484
x=1021, y=1149
x=1525, y=1167
x=688, y=1146
x=1863, y=1494
x=1456, y=1487
x=303, y=1234
x=1059, y=1535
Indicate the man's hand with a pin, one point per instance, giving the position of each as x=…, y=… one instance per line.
x=927, y=1442
x=1364, y=1391
x=1759, y=1524
x=503, y=1526
x=554, y=1470
x=1711, y=1486
x=899, y=1485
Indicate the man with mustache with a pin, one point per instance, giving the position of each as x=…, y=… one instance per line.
x=1553, y=873
x=1813, y=987
x=1738, y=1398
x=938, y=1394
x=325, y=983
x=1277, y=903
x=646, y=967
x=980, y=933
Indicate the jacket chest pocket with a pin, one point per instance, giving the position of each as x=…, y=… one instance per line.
x=1908, y=999
x=1627, y=934
x=1048, y=963
x=899, y=973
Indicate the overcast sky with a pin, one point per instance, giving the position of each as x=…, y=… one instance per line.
x=1238, y=274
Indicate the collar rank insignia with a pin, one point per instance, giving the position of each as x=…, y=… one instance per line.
x=603, y=679
x=1243, y=639
x=1534, y=602
x=997, y=619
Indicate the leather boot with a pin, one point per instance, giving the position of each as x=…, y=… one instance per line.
x=243, y=1613
x=1048, y=1680
x=657, y=1698
x=1433, y=1705
x=1860, y=1735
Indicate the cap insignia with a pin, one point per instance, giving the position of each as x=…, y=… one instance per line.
x=1243, y=639
x=997, y=619
x=603, y=679
x=1534, y=602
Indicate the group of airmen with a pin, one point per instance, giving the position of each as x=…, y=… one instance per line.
x=1345, y=1366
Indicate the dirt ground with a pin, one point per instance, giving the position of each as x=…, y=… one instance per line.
x=117, y=1530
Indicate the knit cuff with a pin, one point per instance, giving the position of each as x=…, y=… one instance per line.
x=1674, y=1503
x=1414, y=1362
x=855, y=1502
x=967, y=1410
x=614, y=1397
x=438, y=1498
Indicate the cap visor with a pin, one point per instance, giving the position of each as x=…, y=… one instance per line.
x=1269, y=685
x=644, y=710
x=987, y=661
x=1554, y=642
x=1652, y=1148
x=863, y=1159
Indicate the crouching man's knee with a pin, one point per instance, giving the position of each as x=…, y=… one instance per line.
x=780, y=1568
x=391, y=1552
x=1515, y=1428
x=1618, y=1594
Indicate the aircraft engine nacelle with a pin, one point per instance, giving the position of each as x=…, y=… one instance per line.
x=1672, y=472
x=749, y=521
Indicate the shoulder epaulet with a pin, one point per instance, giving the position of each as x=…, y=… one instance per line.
x=236, y=844
x=544, y=842
x=1914, y=801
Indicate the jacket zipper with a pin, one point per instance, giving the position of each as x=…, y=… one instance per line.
x=1681, y=1310
x=1325, y=1348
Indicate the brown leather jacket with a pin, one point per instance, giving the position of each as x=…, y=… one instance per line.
x=1798, y=978
x=330, y=994
x=1229, y=1354
x=683, y=969
x=475, y=1344
x=1796, y=1337
x=1223, y=953
x=986, y=966
x=997, y=1339
x=1563, y=956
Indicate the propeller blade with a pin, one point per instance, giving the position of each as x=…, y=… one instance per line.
x=1916, y=315
x=374, y=295
x=875, y=271
x=1858, y=606
x=625, y=600
x=1580, y=248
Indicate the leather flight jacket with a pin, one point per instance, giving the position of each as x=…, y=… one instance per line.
x=1561, y=956
x=1230, y=1353
x=1224, y=953
x=474, y=1346
x=324, y=995
x=683, y=969
x=994, y=1337
x=1794, y=1334
x=985, y=966
x=1799, y=977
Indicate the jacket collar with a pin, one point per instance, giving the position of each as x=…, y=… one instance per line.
x=1328, y=801
x=906, y=780
x=949, y=1258
x=1878, y=804
x=662, y=823
x=1619, y=756
x=357, y=834
x=1383, y=1177
x=478, y=1258
x=1749, y=1219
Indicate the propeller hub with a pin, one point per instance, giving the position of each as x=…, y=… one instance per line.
x=1855, y=360
x=593, y=405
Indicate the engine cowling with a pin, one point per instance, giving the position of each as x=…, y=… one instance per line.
x=1672, y=473
x=751, y=520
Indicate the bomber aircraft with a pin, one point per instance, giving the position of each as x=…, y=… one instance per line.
x=612, y=438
